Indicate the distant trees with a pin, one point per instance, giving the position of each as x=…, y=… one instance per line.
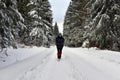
x=56, y=30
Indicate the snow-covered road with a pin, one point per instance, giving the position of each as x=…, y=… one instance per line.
x=76, y=64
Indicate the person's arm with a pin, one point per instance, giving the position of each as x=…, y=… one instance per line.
x=62, y=41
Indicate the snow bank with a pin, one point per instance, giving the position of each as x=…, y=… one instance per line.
x=16, y=55
x=106, y=61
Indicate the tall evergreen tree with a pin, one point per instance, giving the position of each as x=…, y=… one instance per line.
x=25, y=21
x=74, y=22
x=104, y=27
x=101, y=26
x=56, y=30
x=11, y=23
x=39, y=26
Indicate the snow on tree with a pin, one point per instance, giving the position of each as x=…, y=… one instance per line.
x=74, y=22
x=104, y=27
x=101, y=27
x=25, y=21
x=39, y=23
x=11, y=22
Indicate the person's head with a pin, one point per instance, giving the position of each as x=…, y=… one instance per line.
x=60, y=35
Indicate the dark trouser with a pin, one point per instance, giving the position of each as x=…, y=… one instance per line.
x=59, y=49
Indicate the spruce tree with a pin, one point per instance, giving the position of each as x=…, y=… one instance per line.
x=56, y=30
x=11, y=23
x=98, y=23
x=74, y=22
x=39, y=23
x=105, y=27
x=25, y=21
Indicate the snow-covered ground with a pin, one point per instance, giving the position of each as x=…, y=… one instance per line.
x=16, y=55
x=76, y=64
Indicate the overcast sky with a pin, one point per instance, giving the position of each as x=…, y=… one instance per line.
x=59, y=8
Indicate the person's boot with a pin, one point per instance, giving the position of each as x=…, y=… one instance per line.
x=59, y=55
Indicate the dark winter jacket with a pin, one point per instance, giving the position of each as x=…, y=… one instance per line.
x=59, y=42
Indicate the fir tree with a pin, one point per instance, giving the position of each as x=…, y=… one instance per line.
x=11, y=22
x=39, y=26
x=74, y=22
x=98, y=23
x=105, y=28
x=25, y=21
x=56, y=30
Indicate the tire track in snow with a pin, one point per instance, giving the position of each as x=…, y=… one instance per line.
x=56, y=70
x=76, y=73
x=87, y=70
x=65, y=69
x=70, y=67
x=34, y=73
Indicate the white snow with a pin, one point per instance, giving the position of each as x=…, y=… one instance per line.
x=16, y=55
x=33, y=12
x=30, y=3
x=35, y=31
x=116, y=18
x=85, y=43
x=76, y=64
x=115, y=7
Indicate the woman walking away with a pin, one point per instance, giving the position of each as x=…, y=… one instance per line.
x=59, y=44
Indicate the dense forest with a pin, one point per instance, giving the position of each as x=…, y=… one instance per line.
x=27, y=22
x=94, y=22
x=87, y=23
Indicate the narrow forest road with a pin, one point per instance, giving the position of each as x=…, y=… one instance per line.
x=74, y=65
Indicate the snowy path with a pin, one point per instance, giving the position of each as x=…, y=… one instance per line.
x=72, y=66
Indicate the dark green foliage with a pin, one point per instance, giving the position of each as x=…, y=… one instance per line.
x=56, y=30
x=23, y=8
x=25, y=21
x=100, y=25
x=11, y=23
x=7, y=2
x=74, y=22
x=105, y=27
x=39, y=26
